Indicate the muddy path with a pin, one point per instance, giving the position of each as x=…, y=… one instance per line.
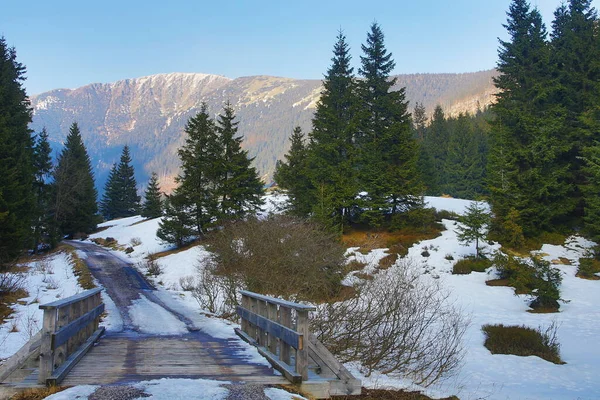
x=124, y=285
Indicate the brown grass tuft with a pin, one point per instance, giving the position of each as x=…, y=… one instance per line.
x=80, y=269
x=38, y=393
x=398, y=242
x=387, y=261
x=175, y=251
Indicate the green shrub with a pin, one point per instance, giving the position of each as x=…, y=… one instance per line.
x=523, y=341
x=470, y=264
x=538, y=278
x=420, y=218
x=588, y=268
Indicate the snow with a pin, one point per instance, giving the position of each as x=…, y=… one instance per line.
x=482, y=375
x=176, y=389
x=162, y=321
x=46, y=281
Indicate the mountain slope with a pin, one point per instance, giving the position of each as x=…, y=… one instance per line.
x=149, y=113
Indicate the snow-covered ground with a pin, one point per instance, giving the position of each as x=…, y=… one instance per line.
x=483, y=375
x=46, y=281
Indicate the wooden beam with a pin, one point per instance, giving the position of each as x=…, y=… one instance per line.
x=280, y=366
x=61, y=372
x=288, y=304
x=71, y=300
x=66, y=332
x=18, y=359
x=285, y=334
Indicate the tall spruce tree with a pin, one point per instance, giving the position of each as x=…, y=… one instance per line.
x=120, y=197
x=153, y=204
x=75, y=209
x=389, y=152
x=435, y=147
x=240, y=189
x=292, y=175
x=17, y=203
x=194, y=204
x=576, y=65
x=110, y=198
x=527, y=168
x=43, y=167
x=331, y=154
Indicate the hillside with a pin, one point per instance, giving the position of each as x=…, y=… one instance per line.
x=149, y=113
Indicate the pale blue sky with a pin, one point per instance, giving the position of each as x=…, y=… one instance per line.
x=67, y=43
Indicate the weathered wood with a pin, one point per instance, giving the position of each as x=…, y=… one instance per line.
x=59, y=374
x=70, y=300
x=302, y=349
x=46, y=350
x=286, y=320
x=285, y=334
x=273, y=340
x=16, y=360
x=70, y=330
x=280, y=366
x=288, y=304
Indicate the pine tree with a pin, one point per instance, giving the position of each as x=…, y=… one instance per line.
x=527, y=165
x=201, y=166
x=389, y=153
x=435, y=151
x=110, y=198
x=575, y=59
x=120, y=197
x=17, y=202
x=474, y=226
x=43, y=168
x=331, y=154
x=240, y=189
x=419, y=120
x=75, y=209
x=292, y=175
x=177, y=226
x=153, y=204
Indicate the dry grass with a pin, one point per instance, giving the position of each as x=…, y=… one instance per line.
x=398, y=242
x=80, y=269
x=366, y=277
x=387, y=261
x=175, y=251
x=6, y=302
x=38, y=393
x=354, y=265
x=383, y=394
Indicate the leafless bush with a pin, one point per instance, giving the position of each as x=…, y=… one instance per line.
x=136, y=241
x=397, y=324
x=187, y=283
x=11, y=282
x=280, y=255
x=44, y=266
x=217, y=294
x=152, y=267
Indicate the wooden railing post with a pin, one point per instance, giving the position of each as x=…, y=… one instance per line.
x=286, y=320
x=46, y=351
x=272, y=339
x=302, y=351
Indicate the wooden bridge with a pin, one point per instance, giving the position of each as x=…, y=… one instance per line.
x=71, y=349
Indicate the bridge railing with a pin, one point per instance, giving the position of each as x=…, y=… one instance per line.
x=70, y=328
x=280, y=329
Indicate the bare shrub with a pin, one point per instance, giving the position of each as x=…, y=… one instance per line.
x=280, y=255
x=11, y=282
x=187, y=283
x=136, y=241
x=398, y=324
x=152, y=267
x=217, y=294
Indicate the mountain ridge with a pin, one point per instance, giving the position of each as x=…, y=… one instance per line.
x=149, y=113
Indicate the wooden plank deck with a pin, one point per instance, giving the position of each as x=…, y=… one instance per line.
x=122, y=359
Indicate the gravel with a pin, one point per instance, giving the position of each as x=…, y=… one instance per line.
x=246, y=392
x=117, y=393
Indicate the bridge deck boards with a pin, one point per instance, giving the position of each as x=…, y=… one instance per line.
x=125, y=359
